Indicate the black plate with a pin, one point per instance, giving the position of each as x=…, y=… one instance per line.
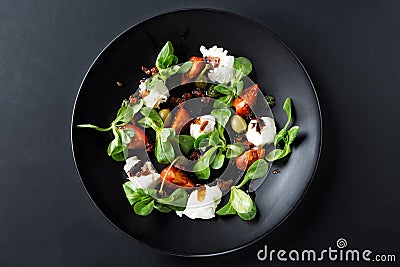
x=278, y=72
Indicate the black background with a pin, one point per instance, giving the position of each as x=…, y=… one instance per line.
x=351, y=50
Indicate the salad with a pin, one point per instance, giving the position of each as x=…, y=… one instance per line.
x=194, y=132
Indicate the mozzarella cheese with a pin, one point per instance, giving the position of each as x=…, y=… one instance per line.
x=266, y=135
x=148, y=177
x=130, y=164
x=202, y=207
x=202, y=125
x=224, y=72
x=155, y=96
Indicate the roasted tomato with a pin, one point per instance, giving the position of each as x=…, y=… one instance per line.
x=245, y=101
x=176, y=177
x=244, y=161
x=181, y=119
x=139, y=140
x=197, y=66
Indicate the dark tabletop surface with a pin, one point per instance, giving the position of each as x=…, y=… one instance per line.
x=351, y=50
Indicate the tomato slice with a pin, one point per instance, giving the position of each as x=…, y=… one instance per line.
x=244, y=161
x=139, y=140
x=176, y=177
x=181, y=120
x=246, y=100
x=197, y=66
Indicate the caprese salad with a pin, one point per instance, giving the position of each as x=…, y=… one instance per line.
x=195, y=131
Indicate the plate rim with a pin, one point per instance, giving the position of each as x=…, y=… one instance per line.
x=315, y=167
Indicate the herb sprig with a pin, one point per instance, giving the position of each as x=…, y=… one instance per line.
x=144, y=200
x=118, y=147
x=284, y=137
x=239, y=202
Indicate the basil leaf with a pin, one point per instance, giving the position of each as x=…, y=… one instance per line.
x=177, y=200
x=162, y=57
x=186, y=144
x=221, y=115
x=292, y=133
x=214, y=138
x=223, y=89
x=218, y=161
x=280, y=136
x=162, y=208
x=201, y=167
x=199, y=139
x=241, y=202
x=287, y=107
x=274, y=155
x=185, y=67
x=249, y=215
x=144, y=207
x=242, y=66
x=258, y=169
x=234, y=150
x=151, y=119
x=130, y=193
x=126, y=135
x=120, y=153
x=164, y=151
x=94, y=127
x=227, y=209
x=223, y=102
x=124, y=115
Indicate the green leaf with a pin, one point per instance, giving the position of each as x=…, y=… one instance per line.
x=249, y=215
x=223, y=102
x=113, y=145
x=126, y=135
x=234, y=150
x=221, y=115
x=163, y=56
x=201, y=167
x=292, y=133
x=287, y=107
x=185, y=67
x=214, y=138
x=199, y=139
x=280, y=136
x=227, y=209
x=186, y=144
x=164, y=151
x=177, y=200
x=162, y=208
x=94, y=127
x=239, y=87
x=130, y=193
x=241, y=202
x=144, y=207
x=257, y=169
x=151, y=119
x=242, y=66
x=218, y=161
x=120, y=153
x=124, y=115
x=274, y=155
x=223, y=89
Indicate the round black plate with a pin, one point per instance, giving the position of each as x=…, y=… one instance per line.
x=276, y=70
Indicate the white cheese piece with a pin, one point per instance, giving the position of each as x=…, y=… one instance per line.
x=196, y=128
x=265, y=136
x=224, y=72
x=154, y=96
x=130, y=163
x=149, y=180
x=205, y=207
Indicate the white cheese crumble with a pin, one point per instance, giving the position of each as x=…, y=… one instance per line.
x=202, y=207
x=266, y=135
x=155, y=96
x=202, y=125
x=130, y=163
x=149, y=180
x=223, y=73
